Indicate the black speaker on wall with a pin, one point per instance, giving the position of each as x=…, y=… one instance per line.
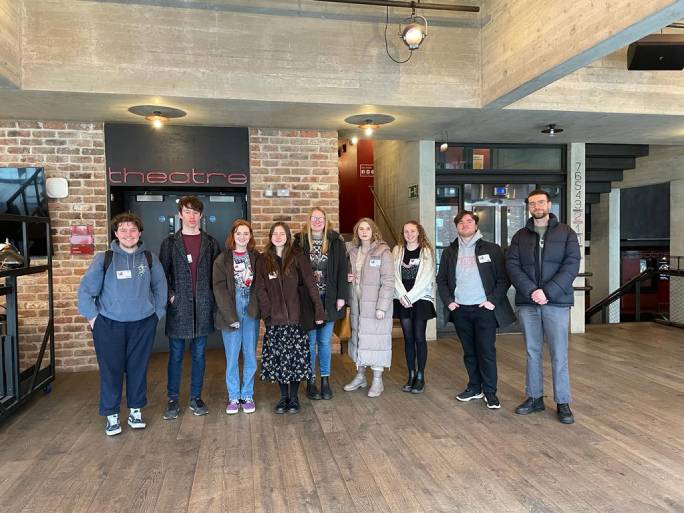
x=657, y=52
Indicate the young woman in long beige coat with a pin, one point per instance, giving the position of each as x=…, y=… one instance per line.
x=371, y=294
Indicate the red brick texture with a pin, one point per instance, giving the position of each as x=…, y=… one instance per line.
x=74, y=151
x=302, y=161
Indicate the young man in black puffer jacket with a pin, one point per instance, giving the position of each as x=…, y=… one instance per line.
x=542, y=262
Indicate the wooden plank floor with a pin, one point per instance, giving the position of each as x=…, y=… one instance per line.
x=398, y=453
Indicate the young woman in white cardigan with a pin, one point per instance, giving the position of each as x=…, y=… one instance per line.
x=414, y=303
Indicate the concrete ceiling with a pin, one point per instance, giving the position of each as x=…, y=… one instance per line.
x=461, y=125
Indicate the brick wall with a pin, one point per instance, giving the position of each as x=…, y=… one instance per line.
x=74, y=151
x=303, y=161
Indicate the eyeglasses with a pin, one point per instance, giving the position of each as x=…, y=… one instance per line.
x=317, y=219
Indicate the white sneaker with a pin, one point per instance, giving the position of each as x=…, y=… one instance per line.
x=359, y=381
x=113, y=427
x=135, y=419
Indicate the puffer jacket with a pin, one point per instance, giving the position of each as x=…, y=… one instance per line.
x=558, y=267
x=371, y=339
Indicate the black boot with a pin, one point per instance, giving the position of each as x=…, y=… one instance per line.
x=531, y=405
x=312, y=390
x=419, y=383
x=326, y=391
x=293, y=405
x=409, y=383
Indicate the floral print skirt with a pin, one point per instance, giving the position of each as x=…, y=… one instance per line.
x=285, y=354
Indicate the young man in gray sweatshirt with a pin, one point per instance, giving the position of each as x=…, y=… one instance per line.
x=472, y=285
x=123, y=295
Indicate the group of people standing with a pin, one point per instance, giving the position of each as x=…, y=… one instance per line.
x=299, y=286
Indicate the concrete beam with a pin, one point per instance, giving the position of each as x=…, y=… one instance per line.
x=10, y=43
x=527, y=44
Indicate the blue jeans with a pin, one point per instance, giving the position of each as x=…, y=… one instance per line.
x=175, y=369
x=319, y=342
x=552, y=322
x=244, y=338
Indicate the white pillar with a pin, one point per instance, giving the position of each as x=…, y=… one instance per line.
x=677, y=249
x=576, y=206
x=426, y=194
x=613, y=253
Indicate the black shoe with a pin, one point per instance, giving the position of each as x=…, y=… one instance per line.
x=293, y=406
x=326, y=391
x=530, y=406
x=312, y=390
x=172, y=410
x=282, y=405
x=469, y=394
x=564, y=413
x=409, y=382
x=492, y=401
x=418, y=384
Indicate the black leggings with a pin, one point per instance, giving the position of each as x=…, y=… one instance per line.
x=415, y=344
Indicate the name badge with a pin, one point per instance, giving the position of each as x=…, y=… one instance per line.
x=414, y=261
x=124, y=275
x=272, y=276
x=239, y=267
x=375, y=262
x=189, y=258
x=483, y=258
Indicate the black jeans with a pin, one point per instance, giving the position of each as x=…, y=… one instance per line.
x=476, y=327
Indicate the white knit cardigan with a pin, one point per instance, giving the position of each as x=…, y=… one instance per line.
x=425, y=286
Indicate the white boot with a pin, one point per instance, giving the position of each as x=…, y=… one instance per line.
x=359, y=380
x=376, y=386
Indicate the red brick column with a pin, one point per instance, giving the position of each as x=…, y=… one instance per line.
x=303, y=161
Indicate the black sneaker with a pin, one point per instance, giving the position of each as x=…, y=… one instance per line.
x=172, y=411
x=492, y=401
x=530, y=405
x=564, y=414
x=198, y=407
x=469, y=395
x=282, y=405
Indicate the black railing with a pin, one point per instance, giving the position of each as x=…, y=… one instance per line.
x=634, y=285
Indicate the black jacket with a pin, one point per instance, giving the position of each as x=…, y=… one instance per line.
x=224, y=290
x=493, y=275
x=336, y=285
x=557, y=270
x=187, y=317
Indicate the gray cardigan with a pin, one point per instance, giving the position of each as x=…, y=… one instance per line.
x=189, y=317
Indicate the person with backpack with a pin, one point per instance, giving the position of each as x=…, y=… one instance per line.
x=123, y=295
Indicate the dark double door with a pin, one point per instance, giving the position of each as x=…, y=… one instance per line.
x=159, y=214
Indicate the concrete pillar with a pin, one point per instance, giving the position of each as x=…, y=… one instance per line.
x=576, y=220
x=677, y=249
x=613, y=252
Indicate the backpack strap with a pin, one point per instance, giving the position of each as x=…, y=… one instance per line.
x=148, y=256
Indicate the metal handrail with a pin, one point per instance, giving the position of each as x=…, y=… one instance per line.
x=603, y=304
x=396, y=238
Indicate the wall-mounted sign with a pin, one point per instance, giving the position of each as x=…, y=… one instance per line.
x=413, y=191
x=366, y=170
x=188, y=156
x=81, y=239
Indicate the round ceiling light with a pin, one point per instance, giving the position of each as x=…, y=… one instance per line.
x=552, y=130
x=369, y=122
x=157, y=114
